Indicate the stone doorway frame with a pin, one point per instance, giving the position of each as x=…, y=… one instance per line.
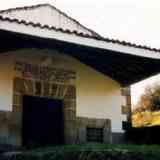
x=55, y=90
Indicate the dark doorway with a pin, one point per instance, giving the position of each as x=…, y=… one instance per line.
x=42, y=121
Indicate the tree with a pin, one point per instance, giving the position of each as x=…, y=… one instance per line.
x=150, y=100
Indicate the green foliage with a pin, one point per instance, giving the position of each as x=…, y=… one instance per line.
x=88, y=152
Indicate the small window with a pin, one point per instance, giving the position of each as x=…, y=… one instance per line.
x=95, y=135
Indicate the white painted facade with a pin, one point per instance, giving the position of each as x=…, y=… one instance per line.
x=98, y=96
x=47, y=15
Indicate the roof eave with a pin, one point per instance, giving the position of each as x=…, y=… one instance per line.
x=126, y=69
x=72, y=37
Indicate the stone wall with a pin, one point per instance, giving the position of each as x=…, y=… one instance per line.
x=10, y=127
x=83, y=123
x=74, y=127
x=119, y=138
x=49, y=83
x=126, y=109
x=64, y=92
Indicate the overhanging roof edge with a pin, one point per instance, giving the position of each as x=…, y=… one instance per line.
x=53, y=33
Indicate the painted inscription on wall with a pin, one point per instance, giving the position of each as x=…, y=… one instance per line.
x=44, y=73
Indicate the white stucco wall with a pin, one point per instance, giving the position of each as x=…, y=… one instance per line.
x=5, y=84
x=98, y=96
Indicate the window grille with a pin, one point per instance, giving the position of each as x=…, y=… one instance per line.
x=95, y=135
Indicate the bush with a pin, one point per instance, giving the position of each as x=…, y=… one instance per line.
x=87, y=152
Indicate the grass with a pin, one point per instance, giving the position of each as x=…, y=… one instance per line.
x=89, y=152
x=101, y=147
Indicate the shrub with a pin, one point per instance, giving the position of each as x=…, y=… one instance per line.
x=88, y=152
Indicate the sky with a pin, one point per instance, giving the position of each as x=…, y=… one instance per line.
x=136, y=21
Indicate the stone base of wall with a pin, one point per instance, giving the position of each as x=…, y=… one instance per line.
x=83, y=123
x=10, y=129
x=118, y=138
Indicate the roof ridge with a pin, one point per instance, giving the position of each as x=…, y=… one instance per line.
x=24, y=7
x=116, y=41
x=53, y=7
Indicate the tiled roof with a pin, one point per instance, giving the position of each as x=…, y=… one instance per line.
x=46, y=4
x=23, y=8
x=94, y=36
